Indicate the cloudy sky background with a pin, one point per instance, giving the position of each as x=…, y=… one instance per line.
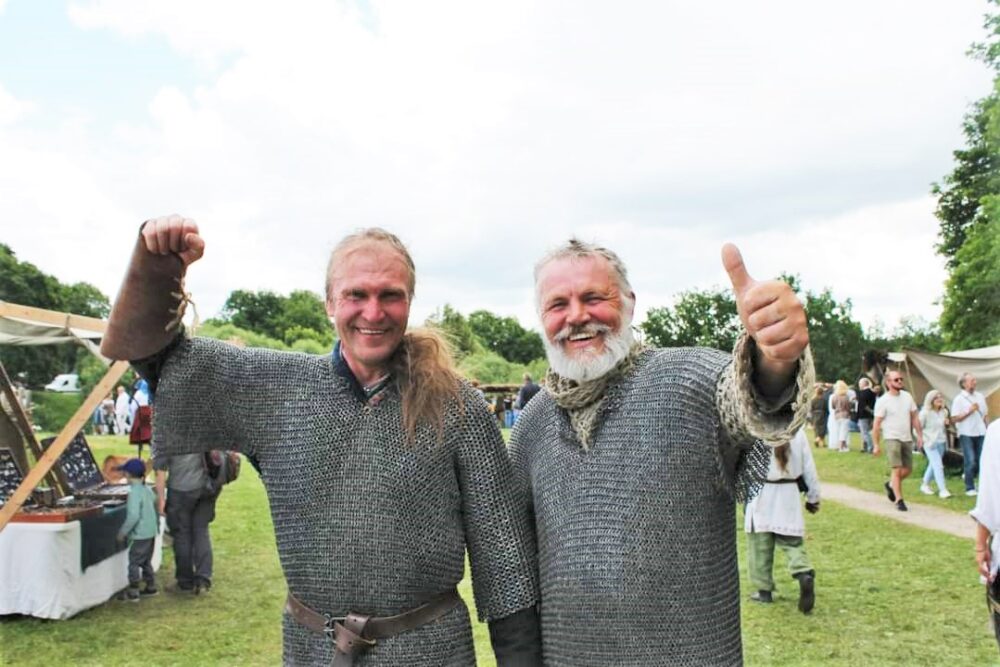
x=484, y=133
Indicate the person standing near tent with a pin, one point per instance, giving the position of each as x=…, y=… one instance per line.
x=968, y=413
x=896, y=419
x=122, y=411
x=866, y=411
x=841, y=404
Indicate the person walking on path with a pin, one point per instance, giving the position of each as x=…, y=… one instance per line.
x=774, y=519
x=968, y=413
x=934, y=421
x=895, y=420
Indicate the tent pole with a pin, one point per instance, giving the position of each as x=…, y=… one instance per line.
x=27, y=432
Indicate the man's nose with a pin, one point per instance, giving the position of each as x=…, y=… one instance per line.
x=577, y=313
x=372, y=310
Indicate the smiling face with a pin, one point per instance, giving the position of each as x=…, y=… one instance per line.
x=585, y=316
x=369, y=302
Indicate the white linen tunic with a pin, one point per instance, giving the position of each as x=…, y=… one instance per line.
x=776, y=509
x=987, y=509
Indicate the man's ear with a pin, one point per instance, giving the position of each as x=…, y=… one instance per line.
x=631, y=305
x=330, y=310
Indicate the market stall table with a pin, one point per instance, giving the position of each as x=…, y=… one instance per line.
x=45, y=568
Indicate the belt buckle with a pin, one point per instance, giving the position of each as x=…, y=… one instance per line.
x=328, y=626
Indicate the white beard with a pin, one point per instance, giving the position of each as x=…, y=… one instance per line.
x=586, y=364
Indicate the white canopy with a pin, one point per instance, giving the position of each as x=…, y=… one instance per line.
x=26, y=325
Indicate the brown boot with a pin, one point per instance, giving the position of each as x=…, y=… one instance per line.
x=147, y=313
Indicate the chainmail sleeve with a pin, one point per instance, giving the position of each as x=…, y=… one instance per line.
x=747, y=415
x=751, y=424
x=209, y=396
x=499, y=537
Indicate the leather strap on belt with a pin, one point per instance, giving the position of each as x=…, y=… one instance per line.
x=781, y=481
x=355, y=633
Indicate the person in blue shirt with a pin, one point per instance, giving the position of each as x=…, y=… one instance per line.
x=140, y=528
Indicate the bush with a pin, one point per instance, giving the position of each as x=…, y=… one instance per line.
x=490, y=367
x=51, y=410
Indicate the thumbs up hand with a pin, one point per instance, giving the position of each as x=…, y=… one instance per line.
x=773, y=316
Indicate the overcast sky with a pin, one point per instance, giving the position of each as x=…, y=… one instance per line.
x=484, y=133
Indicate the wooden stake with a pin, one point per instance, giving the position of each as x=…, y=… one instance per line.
x=62, y=441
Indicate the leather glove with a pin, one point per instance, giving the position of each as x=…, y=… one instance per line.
x=812, y=508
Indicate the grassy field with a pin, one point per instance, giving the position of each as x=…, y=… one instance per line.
x=886, y=594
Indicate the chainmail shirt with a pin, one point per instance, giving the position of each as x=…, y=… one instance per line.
x=364, y=521
x=637, y=533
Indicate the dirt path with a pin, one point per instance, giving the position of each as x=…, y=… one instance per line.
x=925, y=516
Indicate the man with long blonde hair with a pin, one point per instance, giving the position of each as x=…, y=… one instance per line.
x=382, y=468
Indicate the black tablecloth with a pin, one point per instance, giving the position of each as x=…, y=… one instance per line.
x=97, y=536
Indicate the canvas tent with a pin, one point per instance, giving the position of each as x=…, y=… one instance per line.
x=26, y=325
x=925, y=371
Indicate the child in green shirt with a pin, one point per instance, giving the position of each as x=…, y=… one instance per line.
x=140, y=527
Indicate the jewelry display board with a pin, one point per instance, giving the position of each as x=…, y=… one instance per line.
x=80, y=470
x=10, y=475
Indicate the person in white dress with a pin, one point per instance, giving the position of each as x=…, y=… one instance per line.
x=774, y=519
x=121, y=411
x=987, y=516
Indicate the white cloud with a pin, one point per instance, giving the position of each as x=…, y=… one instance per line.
x=11, y=108
x=483, y=133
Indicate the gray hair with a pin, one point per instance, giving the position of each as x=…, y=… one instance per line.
x=577, y=249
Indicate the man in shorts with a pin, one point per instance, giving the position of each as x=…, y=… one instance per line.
x=896, y=419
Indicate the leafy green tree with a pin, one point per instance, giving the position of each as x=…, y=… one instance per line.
x=456, y=327
x=837, y=339
x=506, y=337
x=708, y=318
x=300, y=315
x=976, y=175
x=970, y=315
x=255, y=311
x=969, y=211
x=305, y=311
x=23, y=283
x=699, y=318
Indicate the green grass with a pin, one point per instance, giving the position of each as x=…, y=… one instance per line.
x=866, y=472
x=887, y=593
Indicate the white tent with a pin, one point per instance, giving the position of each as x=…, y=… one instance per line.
x=925, y=371
x=25, y=325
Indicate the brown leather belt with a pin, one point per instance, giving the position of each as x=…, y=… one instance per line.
x=355, y=633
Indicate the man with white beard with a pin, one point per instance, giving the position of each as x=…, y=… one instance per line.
x=634, y=458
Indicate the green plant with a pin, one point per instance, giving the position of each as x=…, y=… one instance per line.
x=51, y=410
